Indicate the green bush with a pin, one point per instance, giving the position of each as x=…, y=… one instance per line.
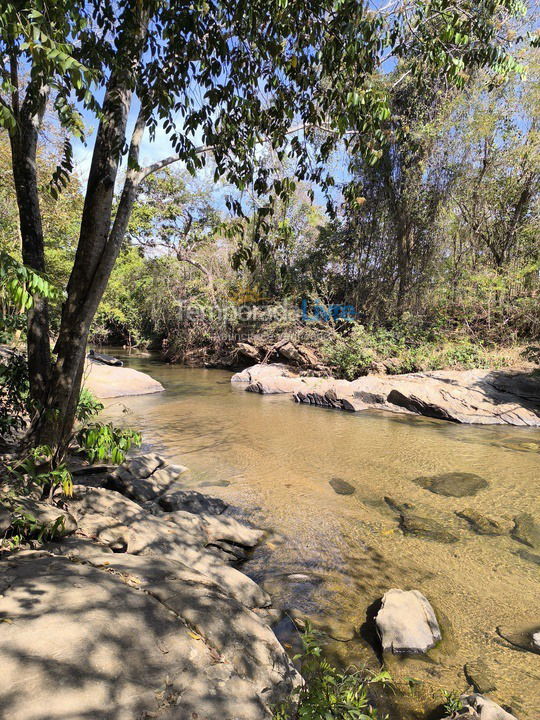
x=328, y=693
x=106, y=442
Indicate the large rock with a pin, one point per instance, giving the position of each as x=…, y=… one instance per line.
x=121, y=523
x=478, y=707
x=105, y=381
x=123, y=637
x=406, y=622
x=192, y=501
x=145, y=478
x=466, y=396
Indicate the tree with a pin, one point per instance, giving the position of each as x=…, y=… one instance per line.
x=228, y=74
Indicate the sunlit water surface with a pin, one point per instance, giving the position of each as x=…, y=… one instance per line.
x=332, y=556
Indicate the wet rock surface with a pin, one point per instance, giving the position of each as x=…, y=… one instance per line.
x=406, y=623
x=524, y=638
x=478, y=675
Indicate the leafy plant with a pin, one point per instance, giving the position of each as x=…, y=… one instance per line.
x=37, y=468
x=107, y=442
x=29, y=527
x=451, y=700
x=88, y=406
x=328, y=693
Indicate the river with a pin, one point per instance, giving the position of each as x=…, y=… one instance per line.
x=331, y=556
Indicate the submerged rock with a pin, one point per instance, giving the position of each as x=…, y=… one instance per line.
x=424, y=527
x=525, y=638
x=341, y=487
x=527, y=530
x=406, y=622
x=481, y=524
x=479, y=676
x=455, y=484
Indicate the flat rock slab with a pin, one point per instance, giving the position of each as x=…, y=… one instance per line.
x=341, y=487
x=467, y=396
x=85, y=641
x=425, y=527
x=106, y=381
x=406, y=623
x=454, y=484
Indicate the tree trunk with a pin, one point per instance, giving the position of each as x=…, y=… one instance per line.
x=99, y=244
x=24, y=149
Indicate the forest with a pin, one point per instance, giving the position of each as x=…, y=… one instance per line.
x=436, y=249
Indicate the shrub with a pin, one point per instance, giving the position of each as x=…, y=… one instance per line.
x=328, y=693
x=107, y=442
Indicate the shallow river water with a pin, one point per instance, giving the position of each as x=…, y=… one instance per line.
x=332, y=556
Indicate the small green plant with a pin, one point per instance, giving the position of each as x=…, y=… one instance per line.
x=107, y=442
x=88, y=406
x=328, y=693
x=37, y=468
x=451, y=701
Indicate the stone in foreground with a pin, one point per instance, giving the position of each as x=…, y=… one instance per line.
x=124, y=637
x=406, y=623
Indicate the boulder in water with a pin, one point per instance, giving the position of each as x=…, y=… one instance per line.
x=406, y=623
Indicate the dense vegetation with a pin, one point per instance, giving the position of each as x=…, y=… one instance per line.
x=437, y=250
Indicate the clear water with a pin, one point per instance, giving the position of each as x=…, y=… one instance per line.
x=332, y=556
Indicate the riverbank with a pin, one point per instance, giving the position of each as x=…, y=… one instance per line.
x=135, y=607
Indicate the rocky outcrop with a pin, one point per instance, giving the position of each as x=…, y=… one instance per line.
x=141, y=613
x=406, y=623
x=469, y=396
x=107, y=381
